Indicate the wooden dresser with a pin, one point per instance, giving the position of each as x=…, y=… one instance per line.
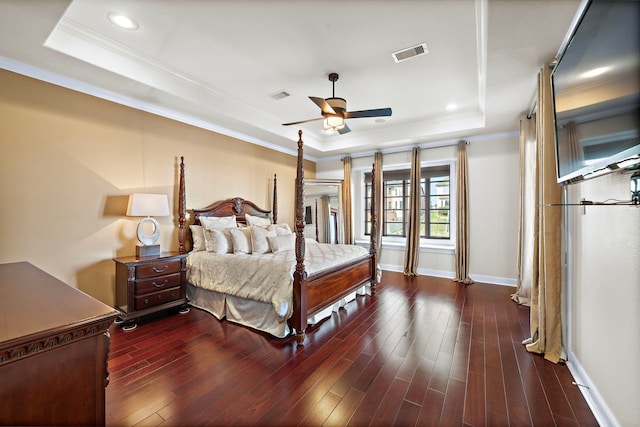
x=54, y=344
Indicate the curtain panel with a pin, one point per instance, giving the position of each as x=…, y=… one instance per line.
x=462, y=220
x=326, y=219
x=413, y=235
x=347, y=203
x=546, y=324
x=528, y=225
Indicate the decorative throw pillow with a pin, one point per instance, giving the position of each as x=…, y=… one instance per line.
x=257, y=221
x=218, y=241
x=241, y=238
x=281, y=229
x=282, y=243
x=197, y=235
x=218, y=222
x=259, y=239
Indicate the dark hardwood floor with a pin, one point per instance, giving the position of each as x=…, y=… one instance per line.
x=422, y=351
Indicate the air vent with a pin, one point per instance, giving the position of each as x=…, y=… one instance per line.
x=411, y=52
x=279, y=95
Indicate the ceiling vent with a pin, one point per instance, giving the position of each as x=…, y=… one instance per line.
x=411, y=52
x=279, y=95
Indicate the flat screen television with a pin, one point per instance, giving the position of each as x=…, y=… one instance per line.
x=596, y=93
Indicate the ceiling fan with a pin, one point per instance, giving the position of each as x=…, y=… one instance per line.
x=334, y=111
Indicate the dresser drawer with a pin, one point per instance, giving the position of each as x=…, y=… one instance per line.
x=155, y=284
x=157, y=298
x=159, y=268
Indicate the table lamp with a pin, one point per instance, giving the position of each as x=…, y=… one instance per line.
x=148, y=205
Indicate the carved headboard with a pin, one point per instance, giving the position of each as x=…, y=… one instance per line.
x=236, y=206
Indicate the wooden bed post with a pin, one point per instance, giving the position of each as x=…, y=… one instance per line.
x=374, y=232
x=274, y=207
x=182, y=212
x=300, y=275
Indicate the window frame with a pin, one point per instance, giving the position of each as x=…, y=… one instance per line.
x=426, y=244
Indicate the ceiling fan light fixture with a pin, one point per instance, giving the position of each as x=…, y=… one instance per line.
x=333, y=123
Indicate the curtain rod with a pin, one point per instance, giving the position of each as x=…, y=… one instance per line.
x=404, y=149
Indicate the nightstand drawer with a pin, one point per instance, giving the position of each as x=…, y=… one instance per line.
x=157, y=269
x=155, y=284
x=151, y=300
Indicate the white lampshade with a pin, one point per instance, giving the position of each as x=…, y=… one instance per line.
x=148, y=205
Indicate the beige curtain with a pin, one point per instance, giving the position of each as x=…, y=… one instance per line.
x=546, y=326
x=528, y=229
x=413, y=234
x=462, y=220
x=326, y=219
x=377, y=162
x=346, y=202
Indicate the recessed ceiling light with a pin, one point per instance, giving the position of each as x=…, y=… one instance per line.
x=451, y=107
x=123, y=21
x=379, y=120
x=594, y=72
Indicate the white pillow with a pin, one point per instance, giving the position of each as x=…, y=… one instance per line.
x=282, y=243
x=218, y=222
x=281, y=229
x=257, y=220
x=241, y=238
x=218, y=241
x=259, y=239
x=197, y=235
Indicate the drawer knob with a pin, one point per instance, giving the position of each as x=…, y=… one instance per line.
x=159, y=270
x=159, y=285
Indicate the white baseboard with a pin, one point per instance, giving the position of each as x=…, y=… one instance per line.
x=600, y=410
x=505, y=281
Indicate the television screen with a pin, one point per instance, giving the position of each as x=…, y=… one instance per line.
x=596, y=90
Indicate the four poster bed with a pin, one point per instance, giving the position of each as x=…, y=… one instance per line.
x=256, y=272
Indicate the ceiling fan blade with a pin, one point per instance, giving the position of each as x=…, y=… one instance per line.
x=368, y=113
x=302, y=121
x=323, y=104
x=344, y=130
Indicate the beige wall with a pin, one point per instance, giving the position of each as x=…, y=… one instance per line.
x=69, y=161
x=493, y=188
x=604, y=295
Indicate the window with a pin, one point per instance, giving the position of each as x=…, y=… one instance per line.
x=435, y=195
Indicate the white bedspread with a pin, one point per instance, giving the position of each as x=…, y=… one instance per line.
x=266, y=277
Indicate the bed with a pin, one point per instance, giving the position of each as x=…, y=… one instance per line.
x=284, y=282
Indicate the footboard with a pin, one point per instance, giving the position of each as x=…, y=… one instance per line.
x=330, y=286
x=326, y=288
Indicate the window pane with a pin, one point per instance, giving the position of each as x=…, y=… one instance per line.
x=439, y=231
x=394, y=229
x=439, y=216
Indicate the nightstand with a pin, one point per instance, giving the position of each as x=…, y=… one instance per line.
x=147, y=285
